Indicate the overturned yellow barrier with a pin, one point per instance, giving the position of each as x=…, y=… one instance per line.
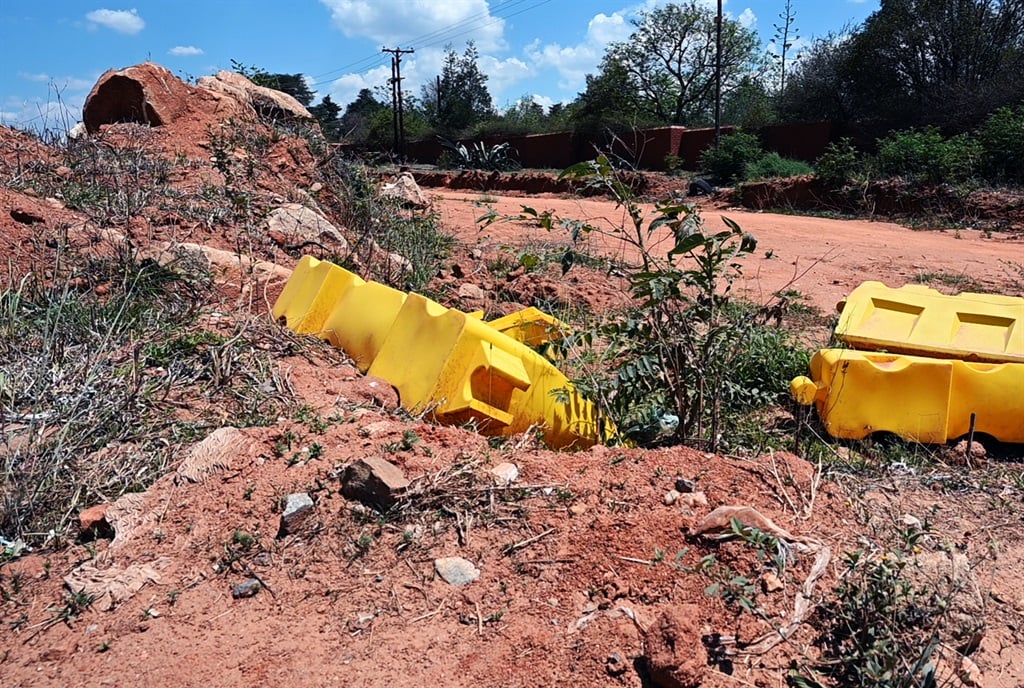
x=929, y=400
x=915, y=319
x=932, y=362
x=443, y=361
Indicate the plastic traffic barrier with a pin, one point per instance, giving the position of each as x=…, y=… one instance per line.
x=444, y=362
x=916, y=319
x=923, y=399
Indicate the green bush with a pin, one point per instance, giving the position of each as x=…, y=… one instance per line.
x=728, y=162
x=773, y=166
x=838, y=164
x=1001, y=138
x=925, y=156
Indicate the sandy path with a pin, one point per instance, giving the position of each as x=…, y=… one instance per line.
x=821, y=258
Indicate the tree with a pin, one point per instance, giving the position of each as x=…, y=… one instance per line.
x=785, y=35
x=355, y=123
x=916, y=63
x=667, y=65
x=458, y=99
x=326, y=113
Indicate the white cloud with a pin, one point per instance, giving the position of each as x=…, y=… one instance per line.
x=185, y=51
x=747, y=19
x=429, y=23
x=122, y=21
x=574, y=62
x=61, y=83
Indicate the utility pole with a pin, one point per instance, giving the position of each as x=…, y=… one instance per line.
x=397, y=116
x=718, y=75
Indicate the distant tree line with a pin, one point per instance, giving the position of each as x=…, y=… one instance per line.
x=913, y=63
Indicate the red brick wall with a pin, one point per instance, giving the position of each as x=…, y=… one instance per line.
x=646, y=148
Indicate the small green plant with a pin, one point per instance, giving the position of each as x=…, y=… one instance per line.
x=838, y=165
x=737, y=591
x=773, y=165
x=243, y=539
x=728, y=162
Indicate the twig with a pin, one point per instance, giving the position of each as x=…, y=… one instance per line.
x=479, y=619
x=509, y=549
x=634, y=560
x=430, y=614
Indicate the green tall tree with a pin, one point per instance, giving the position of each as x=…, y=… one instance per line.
x=326, y=113
x=915, y=63
x=459, y=98
x=356, y=122
x=666, y=68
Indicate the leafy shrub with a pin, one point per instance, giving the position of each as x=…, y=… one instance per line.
x=926, y=156
x=838, y=164
x=773, y=165
x=1001, y=138
x=728, y=162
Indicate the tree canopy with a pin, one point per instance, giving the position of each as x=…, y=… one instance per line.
x=459, y=97
x=915, y=63
x=665, y=71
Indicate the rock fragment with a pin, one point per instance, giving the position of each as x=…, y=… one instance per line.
x=375, y=482
x=297, y=510
x=456, y=570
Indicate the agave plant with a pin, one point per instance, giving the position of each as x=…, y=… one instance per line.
x=478, y=156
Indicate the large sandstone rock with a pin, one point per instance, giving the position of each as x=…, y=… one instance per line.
x=145, y=93
x=150, y=94
x=265, y=101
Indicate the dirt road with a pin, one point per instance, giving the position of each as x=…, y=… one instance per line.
x=822, y=259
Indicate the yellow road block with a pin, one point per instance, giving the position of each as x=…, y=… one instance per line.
x=921, y=399
x=443, y=361
x=915, y=319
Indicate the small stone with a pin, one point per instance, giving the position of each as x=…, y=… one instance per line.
x=477, y=254
x=375, y=482
x=671, y=497
x=970, y=673
x=297, y=509
x=317, y=187
x=693, y=500
x=246, y=589
x=911, y=521
x=616, y=664
x=471, y=291
x=770, y=582
x=578, y=509
x=685, y=485
x=505, y=473
x=456, y=570
x=93, y=521
x=63, y=171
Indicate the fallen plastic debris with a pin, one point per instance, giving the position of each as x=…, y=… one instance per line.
x=936, y=367
x=449, y=364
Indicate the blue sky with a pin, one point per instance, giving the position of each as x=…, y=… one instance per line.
x=54, y=50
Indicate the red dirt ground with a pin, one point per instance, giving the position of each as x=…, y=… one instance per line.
x=578, y=558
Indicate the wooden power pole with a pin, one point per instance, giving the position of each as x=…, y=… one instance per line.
x=718, y=75
x=397, y=116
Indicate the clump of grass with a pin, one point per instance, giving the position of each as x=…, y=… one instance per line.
x=382, y=227
x=92, y=380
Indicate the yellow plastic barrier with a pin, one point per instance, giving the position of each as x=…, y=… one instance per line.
x=915, y=319
x=922, y=399
x=443, y=361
